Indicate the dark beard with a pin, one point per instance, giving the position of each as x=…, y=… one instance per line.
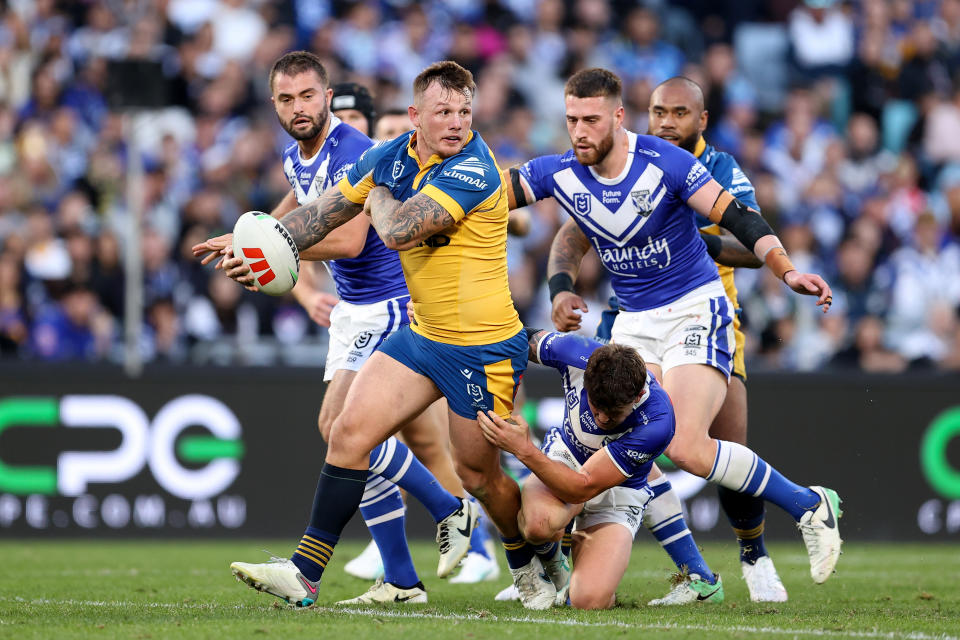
x=689, y=143
x=601, y=152
x=312, y=132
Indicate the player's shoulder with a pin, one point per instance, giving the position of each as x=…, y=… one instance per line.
x=654, y=147
x=289, y=152
x=343, y=135
x=383, y=151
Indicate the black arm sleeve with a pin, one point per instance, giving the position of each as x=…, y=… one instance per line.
x=518, y=193
x=747, y=226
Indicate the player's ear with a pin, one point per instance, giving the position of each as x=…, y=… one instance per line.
x=414, y=116
x=329, y=96
x=618, y=115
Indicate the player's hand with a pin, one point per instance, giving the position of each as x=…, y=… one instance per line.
x=213, y=248
x=235, y=269
x=410, y=312
x=810, y=284
x=511, y=435
x=564, y=313
x=318, y=305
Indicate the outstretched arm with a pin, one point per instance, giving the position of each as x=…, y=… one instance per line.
x=574, y=487
x=569, y=246
x=311, y=223
x=749, y=227
x=403, y=226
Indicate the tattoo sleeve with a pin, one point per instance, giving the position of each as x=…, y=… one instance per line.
x=402, y=226
x=310, y=223
x=533, y=338
x=569, y=246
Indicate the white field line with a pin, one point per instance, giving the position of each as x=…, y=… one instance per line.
x=488, y=617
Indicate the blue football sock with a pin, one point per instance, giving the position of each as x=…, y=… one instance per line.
x=547, y=550
x=663, y=516
x=518, y=551
x=746, y=515
x=480, y=535
x=338, y=494
x=395, y=462
x=738, y=468
x=384, y=514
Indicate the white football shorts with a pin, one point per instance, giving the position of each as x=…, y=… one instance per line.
x=619, y=505
x=357, y=330
x=694, y=329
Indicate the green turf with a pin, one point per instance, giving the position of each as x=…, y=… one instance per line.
x=184, y=590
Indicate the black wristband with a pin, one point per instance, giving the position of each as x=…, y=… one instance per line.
x=559, y=282
x=714, y=244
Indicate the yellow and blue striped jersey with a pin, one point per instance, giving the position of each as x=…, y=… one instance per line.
x=457, y=278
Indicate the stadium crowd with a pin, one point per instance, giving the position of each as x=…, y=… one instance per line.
x=845, y=116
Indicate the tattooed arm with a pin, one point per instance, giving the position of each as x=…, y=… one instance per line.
x=310, y=223
x=403, y=226
x=567, y=251
x=569, y=246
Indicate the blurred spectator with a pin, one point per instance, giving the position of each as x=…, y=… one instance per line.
x=926, y=287
x=851, y=155
x=821, y=37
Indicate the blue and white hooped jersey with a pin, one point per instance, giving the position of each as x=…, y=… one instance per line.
x=636, y=442
x=375, y=274
x=638, y=222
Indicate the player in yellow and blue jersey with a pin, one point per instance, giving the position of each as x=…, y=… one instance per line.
x=436, y=196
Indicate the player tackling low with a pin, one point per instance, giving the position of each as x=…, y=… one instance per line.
x=633, y=199
x=594, y=467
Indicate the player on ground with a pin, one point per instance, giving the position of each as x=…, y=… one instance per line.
x=436, y=196
x=373, y=296
x=632, y=198
x=677, y=115
x=594, y=467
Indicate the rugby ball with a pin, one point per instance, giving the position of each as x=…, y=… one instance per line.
x=267, y=248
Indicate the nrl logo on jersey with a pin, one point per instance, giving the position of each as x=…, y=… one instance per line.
x=397, y=169
x=642, y=202
x=581, y=203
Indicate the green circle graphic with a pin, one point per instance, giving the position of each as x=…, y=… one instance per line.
x=933, y=454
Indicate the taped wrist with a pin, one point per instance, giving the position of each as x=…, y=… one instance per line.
x=747, y=226
x=559, y=282
x=778, y=262
x=714, y=244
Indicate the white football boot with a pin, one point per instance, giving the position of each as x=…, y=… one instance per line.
x=534, y=586
x=821, y=534
x=476, y=568
x=691, y=589
x=368, y=565
x=763, y=582
x=453, y=536
x=507, y=594
x=385, y=593
x=280, y=578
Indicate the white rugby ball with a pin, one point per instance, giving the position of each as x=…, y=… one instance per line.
x=267, y=248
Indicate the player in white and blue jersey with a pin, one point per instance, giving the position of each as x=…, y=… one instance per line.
x=677, y=115
x=372, y=306
x=634, y=199
x=594, y=466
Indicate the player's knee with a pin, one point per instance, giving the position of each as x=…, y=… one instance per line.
x=591, y=598
x=691, y=454
x=535, y=526
x=347, y=438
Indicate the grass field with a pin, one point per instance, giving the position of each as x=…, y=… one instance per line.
x=158, y=590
